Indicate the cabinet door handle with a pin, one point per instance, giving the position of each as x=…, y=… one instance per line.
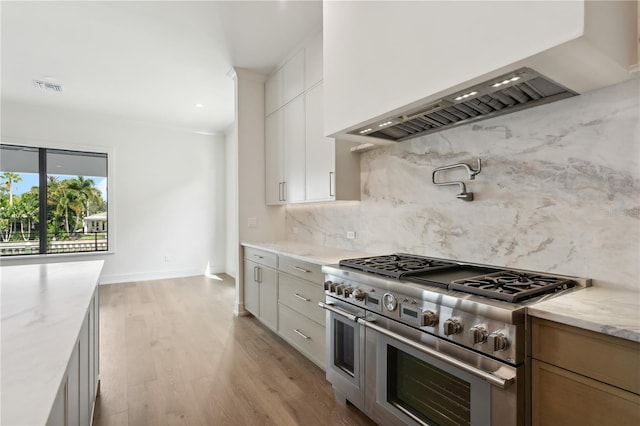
x=259, y=274
x=279, y=191
x=255, y=274
x=301, y=334
x=284, y=191
x=331, y=194
x=301, y=297
x=301, y=269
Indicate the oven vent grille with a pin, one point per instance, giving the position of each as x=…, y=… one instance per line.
x=518, y=90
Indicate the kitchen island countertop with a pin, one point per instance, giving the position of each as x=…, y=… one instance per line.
x=307, y=252
x=43, y=308
x=608, y=311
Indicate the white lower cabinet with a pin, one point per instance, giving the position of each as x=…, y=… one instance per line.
x=76, y=397
x=261, y=286
x=305, y=335
x=283, y=293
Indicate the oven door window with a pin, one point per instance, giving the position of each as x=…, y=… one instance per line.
x=420, y=389
x=426, y=392
x=344, y=354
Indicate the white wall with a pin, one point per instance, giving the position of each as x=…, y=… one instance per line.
x=169, y=189
x=231, y=199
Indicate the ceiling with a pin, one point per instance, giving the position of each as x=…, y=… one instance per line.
x=147, y=60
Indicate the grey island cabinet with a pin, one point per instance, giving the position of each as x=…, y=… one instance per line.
x=50, y=343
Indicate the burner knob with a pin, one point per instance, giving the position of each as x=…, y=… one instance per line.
x=348, y=291
x=327, y=285
x=430, y=318
x=478, y=334
x=358, y=294
x=452, y=326
x=390, y=302
x=497, y=341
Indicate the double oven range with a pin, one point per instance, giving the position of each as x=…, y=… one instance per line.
x=425, y=341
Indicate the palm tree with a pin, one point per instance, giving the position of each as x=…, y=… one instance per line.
x=86, y=190
x=9, y=179
x=27, y=206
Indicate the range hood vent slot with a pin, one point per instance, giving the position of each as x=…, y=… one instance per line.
x=524, y=88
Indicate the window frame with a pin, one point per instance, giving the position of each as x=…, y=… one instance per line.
x=80, y=148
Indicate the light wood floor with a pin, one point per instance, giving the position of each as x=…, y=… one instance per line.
x=171, y=352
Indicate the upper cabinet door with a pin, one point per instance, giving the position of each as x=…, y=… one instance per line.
x=273, y=93
x=293, y=77
x=313, y=62
x=274, y=178
x=320, y=151
x=294, y=150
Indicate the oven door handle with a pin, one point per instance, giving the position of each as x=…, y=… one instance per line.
x=330, y=307
x=500, y=382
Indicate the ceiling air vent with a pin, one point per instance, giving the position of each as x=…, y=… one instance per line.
x=47, y=86
x=518, y=90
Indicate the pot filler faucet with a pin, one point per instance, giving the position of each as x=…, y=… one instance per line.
x=463, y=195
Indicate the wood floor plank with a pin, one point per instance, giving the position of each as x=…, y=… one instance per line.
x=173, y=353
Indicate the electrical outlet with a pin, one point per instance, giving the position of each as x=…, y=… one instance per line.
x=351, y=235
x=252, y=222
x=167, y=258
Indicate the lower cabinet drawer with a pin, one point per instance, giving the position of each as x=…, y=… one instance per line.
x=302, y=296
x=299, y=268
x=302, y=333
x=563, y=398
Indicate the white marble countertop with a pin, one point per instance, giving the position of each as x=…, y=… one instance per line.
x=43, y=307
x=608, y=311
x=307, y=252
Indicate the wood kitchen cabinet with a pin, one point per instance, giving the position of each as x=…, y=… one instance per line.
x=261, y=286
x=76, y=396
x=580, y=377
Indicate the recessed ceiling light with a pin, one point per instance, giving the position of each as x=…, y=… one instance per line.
x=199, y=106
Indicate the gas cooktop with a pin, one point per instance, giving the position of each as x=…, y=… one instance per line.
x=501, y=284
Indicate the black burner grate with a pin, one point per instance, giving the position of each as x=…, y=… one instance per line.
x=511, y=286
x=396, y=265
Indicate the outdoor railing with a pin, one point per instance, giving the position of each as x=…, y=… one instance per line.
x=17, y=248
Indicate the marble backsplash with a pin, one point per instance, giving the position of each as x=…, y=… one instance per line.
x=559, y=192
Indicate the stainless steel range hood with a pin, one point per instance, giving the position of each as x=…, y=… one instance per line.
x=515, y=91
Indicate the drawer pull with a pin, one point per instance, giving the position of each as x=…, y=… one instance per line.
x=258, y=256
x=301, y=269
x=301, y=334
x=301, y=297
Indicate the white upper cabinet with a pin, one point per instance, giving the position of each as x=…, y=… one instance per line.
x=294, y=150
x=293, y=77
x=313, y=62
x=273, y=93
x=320, y=151
x=384, y=56
x=301, y=163
x=274, y=152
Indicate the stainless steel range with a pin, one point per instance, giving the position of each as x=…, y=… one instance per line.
x=418, y=340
